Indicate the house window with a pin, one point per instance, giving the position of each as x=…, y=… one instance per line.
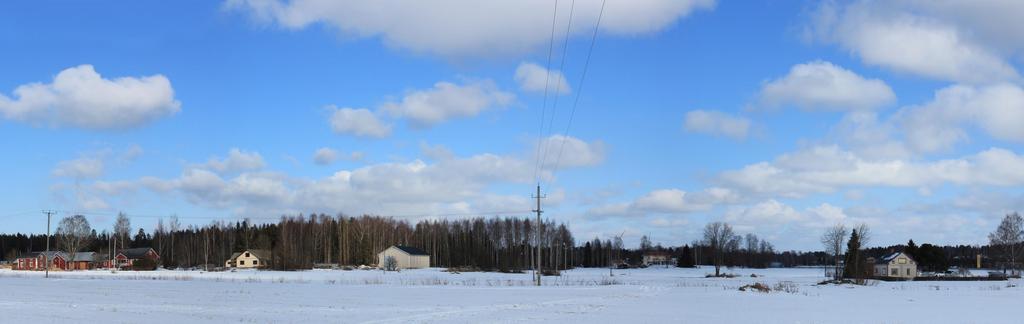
x=903, y=261
x=241, y=262
x=908, y=271
x=895, y=272
x=246, y=254
x=255, y=262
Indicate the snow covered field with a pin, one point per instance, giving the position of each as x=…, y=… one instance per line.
x=579, y=296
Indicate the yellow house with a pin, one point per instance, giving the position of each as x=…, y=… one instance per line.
x=249, y=259
x=406, y=257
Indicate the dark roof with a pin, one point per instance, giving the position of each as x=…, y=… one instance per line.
x=84, y=257
x=657, y=253
x=411, y=250
x=136, y=253
x=260, y=254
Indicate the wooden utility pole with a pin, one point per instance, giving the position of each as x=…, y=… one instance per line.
x=45, y=254
x=537, y=269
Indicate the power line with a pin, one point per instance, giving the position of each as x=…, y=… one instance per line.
x=19, y=213
x=558, y=92
x=579, y=87
x=547, y=79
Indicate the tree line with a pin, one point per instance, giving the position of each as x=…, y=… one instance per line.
x=303, y=242
x=495, y=244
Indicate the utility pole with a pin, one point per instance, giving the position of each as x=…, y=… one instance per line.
x=537, y=269
x=45, y=254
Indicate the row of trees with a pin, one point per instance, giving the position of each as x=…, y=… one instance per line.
x=501, y=244
x=724, y=247
x=301, y=242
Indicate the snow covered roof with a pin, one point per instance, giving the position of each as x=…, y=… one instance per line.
x=892, y=256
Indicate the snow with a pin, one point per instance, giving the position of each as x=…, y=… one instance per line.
x=431, y=295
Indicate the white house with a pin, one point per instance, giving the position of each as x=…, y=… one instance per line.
x=249, y=259
x=406, y=257
x=896, y=265
x=657, y=258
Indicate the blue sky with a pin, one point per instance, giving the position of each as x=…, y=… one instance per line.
x=781, y=118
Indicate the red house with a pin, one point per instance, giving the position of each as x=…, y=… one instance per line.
x=127, y=258
x=37, y=261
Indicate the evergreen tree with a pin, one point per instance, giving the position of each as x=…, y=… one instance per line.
x=686, y=260
x=854, y=264
x=911, y=249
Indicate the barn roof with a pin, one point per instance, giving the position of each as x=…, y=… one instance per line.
x=84, y=256
x=136, y=253
x=411, y=250
x=262, y=254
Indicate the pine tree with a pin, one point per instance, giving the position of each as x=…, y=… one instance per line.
x=686, y=260
x=854, y=264
x=911, y=249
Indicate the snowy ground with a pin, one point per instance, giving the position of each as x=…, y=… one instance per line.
x=587, y=295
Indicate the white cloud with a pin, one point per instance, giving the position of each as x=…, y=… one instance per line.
x=535, y=78
x=452, y=185
x=459, y=28
x=716, y=123
x=80, y=97
x=325, y=156
x=927, y=38
x=938, y=125
x=237, y=161
x=822, y=85
x=561, y=152
x=668, y=201
x=446, y=100
x=358, y=122
x=81, y=168
x=132, y=153
x=436, y=152
x=825, y=169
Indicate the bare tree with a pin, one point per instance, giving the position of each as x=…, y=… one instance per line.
x=718, y=236
x=865, y=234
x=645, y=243
x=390, y=264
x=175, y=226
x=1007, y=236
x=122, y=228
x=74, y=233
x=833, y=240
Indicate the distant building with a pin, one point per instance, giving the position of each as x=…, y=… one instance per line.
x=896, y=265
x=83, y=261
x=406, y=257
x=37, y=261
x=127, y=257
x=249, y=259
x=657, y=258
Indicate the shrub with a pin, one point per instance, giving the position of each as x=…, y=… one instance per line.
x=550, y=272
x=144, y=265
x=757, y=286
